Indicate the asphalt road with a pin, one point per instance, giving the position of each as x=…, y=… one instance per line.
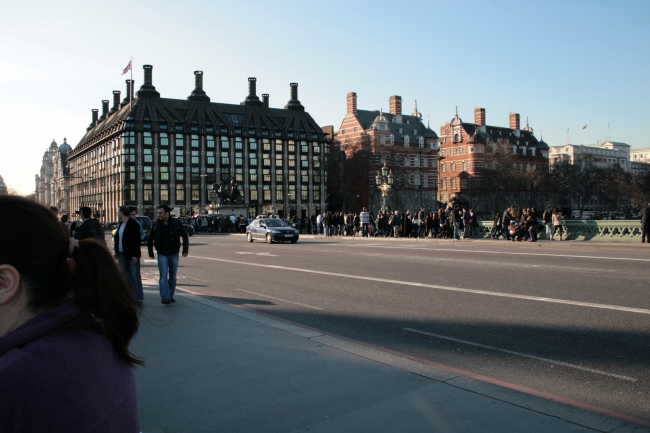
x=570, y=323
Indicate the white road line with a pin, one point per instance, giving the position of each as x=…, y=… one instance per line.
x=510, y=352
x=279, y=299
x=434, y=286
x=150, y=261
x=406, y=247
x=192, y=278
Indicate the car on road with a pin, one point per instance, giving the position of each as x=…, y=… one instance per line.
x=187, y=224
x=271, y=230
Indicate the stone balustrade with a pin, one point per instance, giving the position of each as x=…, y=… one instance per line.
x=582, y=230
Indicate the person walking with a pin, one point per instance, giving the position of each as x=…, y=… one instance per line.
x=165, y=236
x=89, y=228
x=473, y=224
x=547, y=217
x=557, y=222
x=127, y=250
x=497, y=230
x=422, y=223
x=364, y=218
x=645, y=224
x=396, y=224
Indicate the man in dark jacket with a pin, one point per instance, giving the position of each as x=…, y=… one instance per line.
x=127, y=250
x=165, y=236
x=89, y=228
x=645, y=223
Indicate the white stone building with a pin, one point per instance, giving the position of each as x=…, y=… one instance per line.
x=52, y=184
x=605, y=154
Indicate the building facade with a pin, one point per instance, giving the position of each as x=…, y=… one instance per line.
x=371, y=139
x=604, y=155
x=462, y=149
x=53, y=182
x=3, y=187
x=147, y=150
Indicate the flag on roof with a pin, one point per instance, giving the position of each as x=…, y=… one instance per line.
x=128, y=68
x=584, y=127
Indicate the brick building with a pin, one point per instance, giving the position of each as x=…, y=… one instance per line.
x=462, y=149
x=147, y=150
x=409, y=148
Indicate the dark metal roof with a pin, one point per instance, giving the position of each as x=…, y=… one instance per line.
x=366, y=118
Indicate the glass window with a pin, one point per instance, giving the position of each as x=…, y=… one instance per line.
x=148, y=192
x=195, y=174
x=253, y=193
x=304, y=193
x=267, y=175
x=252, y=144
x=292, y=160
x=164, y=139
x=210, y=157
x=209, y=142
x=303, y=147
x=164, y=156
x=278, y=177
x=252, y=177
x=252, y=159
x=291, y=146
x=316, y=194
x=279, y=194
x=180, y=192
x=266, y=144
x=239, y=158
x=225, y=143
x=239, y=174
x=148, y=174
x=304, y=162
x=179, y=175
x=180, y=159
x=148, y=157
x=267, y=160
x=164, y=192
x=164, y=173
x=316, y=148
x=278, y=146
x=225, y=159
x=195, y=193
x=180, y=141
x=238, y=143
x=147, y=140
x=195, y=141
x=304, y=178
x=195, y=157
x=267, y=193
x=316, y=161
x=278, y=160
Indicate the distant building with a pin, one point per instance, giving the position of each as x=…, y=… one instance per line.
x=605, y=154
x=461, y=155
x=52, y=184
x=3, y=187
x=148, y=150
x=640, y=160
x=403, y=142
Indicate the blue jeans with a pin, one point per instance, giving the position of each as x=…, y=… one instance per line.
x=167, y=266
x=132, y=271
x=456, y=231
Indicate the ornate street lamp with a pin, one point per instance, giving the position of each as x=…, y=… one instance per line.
x=384, y=181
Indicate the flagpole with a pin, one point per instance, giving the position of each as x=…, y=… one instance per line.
x=131, y=93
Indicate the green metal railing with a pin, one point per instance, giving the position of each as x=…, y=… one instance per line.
x=583, y=230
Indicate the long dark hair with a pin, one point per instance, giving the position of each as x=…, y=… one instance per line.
x=40, y=254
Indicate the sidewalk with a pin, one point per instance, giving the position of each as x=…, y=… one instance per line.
x=213, y=367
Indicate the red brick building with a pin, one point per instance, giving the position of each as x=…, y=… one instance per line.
x=408, y=146
x=462, y=148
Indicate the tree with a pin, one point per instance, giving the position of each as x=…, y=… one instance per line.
x=500, y=176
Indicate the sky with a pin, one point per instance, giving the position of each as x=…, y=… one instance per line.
x=563, y=64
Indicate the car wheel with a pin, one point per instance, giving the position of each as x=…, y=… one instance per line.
x=293, y=241
x=250, y=237
x=269, y=238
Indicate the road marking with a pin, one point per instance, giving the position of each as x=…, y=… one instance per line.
x=406, y=247
x=192, y=278
x=510, y=352
x=434, y=286
x=257, y=254
x=150, y=261
x=279, y=299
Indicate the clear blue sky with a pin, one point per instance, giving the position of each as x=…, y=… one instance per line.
x=563, y=64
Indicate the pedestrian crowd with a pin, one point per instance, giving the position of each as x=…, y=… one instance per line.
x=220, y=224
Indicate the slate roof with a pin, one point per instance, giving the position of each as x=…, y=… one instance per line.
x=493, y=133
x=196, y=116
x=366, y=118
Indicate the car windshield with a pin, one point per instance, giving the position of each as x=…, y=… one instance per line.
x=274, y=223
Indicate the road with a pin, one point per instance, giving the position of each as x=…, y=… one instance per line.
x=570, y=323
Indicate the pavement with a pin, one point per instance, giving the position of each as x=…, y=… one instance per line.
x=214, y=366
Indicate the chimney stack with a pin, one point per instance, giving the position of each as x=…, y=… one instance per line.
x=95, y=115
x=395, y=105
x=352, y=102
x=148, y=89
x=198, y=94
x=116, y=101
x=479, y=116
x=129, y=92
x=104, y=109
x=265, y=99
x=294, y=103
x=252, y=98
x=514, y=121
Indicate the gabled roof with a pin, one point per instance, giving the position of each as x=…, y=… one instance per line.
x=366, y=118
x=485, y=133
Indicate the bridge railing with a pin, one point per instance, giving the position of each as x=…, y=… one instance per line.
x=601, y=230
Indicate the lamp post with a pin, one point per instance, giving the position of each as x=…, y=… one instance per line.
x=384, y=181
